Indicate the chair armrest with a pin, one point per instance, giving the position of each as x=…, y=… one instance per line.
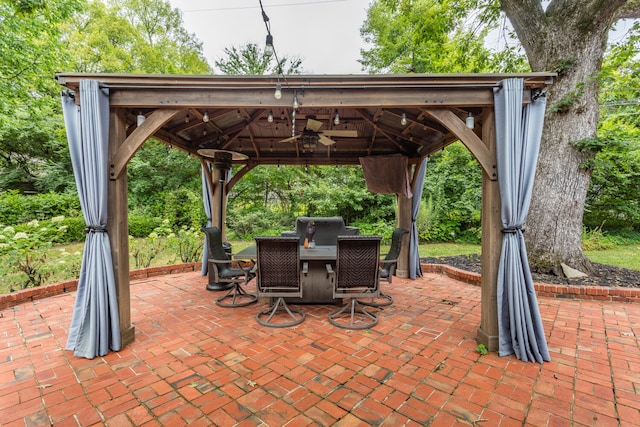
x=388, y=261
x=236, y=262
x=330, y=273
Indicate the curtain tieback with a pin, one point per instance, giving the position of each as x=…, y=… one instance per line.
x=513, y=229
x=96, y=229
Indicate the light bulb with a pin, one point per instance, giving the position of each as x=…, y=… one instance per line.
x=403, y=121
x=336, y=119
x=270, y=117
x=205, y=118
x=278, y=92
x=268, y=48
x=141, y=118
x=295, y=101
x=187, y=119
x=470, y=121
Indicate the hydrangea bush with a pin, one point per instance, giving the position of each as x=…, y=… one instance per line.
x=25, y=252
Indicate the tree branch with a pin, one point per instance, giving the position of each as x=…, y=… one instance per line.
x=631, y=10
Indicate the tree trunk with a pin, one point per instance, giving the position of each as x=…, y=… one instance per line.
x=569, y=38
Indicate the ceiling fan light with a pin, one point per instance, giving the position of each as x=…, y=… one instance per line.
x=309, y=141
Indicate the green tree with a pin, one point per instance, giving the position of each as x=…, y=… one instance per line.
x=135, y=36
x=143, y=36
x=249, y=59
x=565, y=36
x=569, y=37
x=32, y=49
x=614, y=192
x=453, y=195
x=428, y=36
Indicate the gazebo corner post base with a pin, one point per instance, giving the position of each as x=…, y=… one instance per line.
x=403, y=274
x=490, y=342
x=127, y=336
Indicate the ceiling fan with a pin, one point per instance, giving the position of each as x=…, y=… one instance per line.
x=311, y=134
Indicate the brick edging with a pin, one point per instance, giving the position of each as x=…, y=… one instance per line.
x=595, y=293
x=30, y=294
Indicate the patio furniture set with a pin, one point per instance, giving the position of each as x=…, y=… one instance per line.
x=321, y=262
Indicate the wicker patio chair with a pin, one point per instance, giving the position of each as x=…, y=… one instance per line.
x=355, y=276
x=278, y=277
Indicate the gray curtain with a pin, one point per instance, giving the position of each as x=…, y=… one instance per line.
x=415, y=269
x=95, y=325
x=206, y=199
x=518, y=134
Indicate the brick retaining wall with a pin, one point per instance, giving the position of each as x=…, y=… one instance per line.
x=599, y=293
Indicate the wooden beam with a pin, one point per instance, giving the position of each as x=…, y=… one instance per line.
x=479, y=150
x=125, y=152
x=360, y=97
x=239, y=174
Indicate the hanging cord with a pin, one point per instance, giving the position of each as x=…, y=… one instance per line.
x=267, y=25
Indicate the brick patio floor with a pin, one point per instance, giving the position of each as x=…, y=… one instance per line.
x=194, y=363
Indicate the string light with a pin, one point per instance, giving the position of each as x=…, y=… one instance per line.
x=205, y=118
x=336, y=119
x=278, y=93
x=270, y=117
x=270, y=50
x=403, y=121
x=470, y=121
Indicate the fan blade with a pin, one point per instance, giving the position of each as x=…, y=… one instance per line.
x=293, y=138
x=344, y=133
x=314, y=125
x=325, y=140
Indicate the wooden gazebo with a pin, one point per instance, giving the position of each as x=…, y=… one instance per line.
x=316, y=120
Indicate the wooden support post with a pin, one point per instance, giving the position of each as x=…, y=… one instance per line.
x=404, y=214
x=491, y=243
x=221, y=168
x=118, y=229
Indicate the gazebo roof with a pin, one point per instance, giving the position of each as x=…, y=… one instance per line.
x=370, y=109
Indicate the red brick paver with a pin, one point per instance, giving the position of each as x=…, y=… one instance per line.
x=194, y=363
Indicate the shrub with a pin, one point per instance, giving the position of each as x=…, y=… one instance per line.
x=246, y=225
x=17, y=208
x=26, y=252
x=188, y=244
x=142, y=226
x=183, y=207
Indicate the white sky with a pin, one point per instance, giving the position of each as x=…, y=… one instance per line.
x=325, y=34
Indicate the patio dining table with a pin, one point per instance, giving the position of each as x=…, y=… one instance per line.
x=316, y=284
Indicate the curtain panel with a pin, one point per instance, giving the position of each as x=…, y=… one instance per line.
x=95, y=325
x=518, y=135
